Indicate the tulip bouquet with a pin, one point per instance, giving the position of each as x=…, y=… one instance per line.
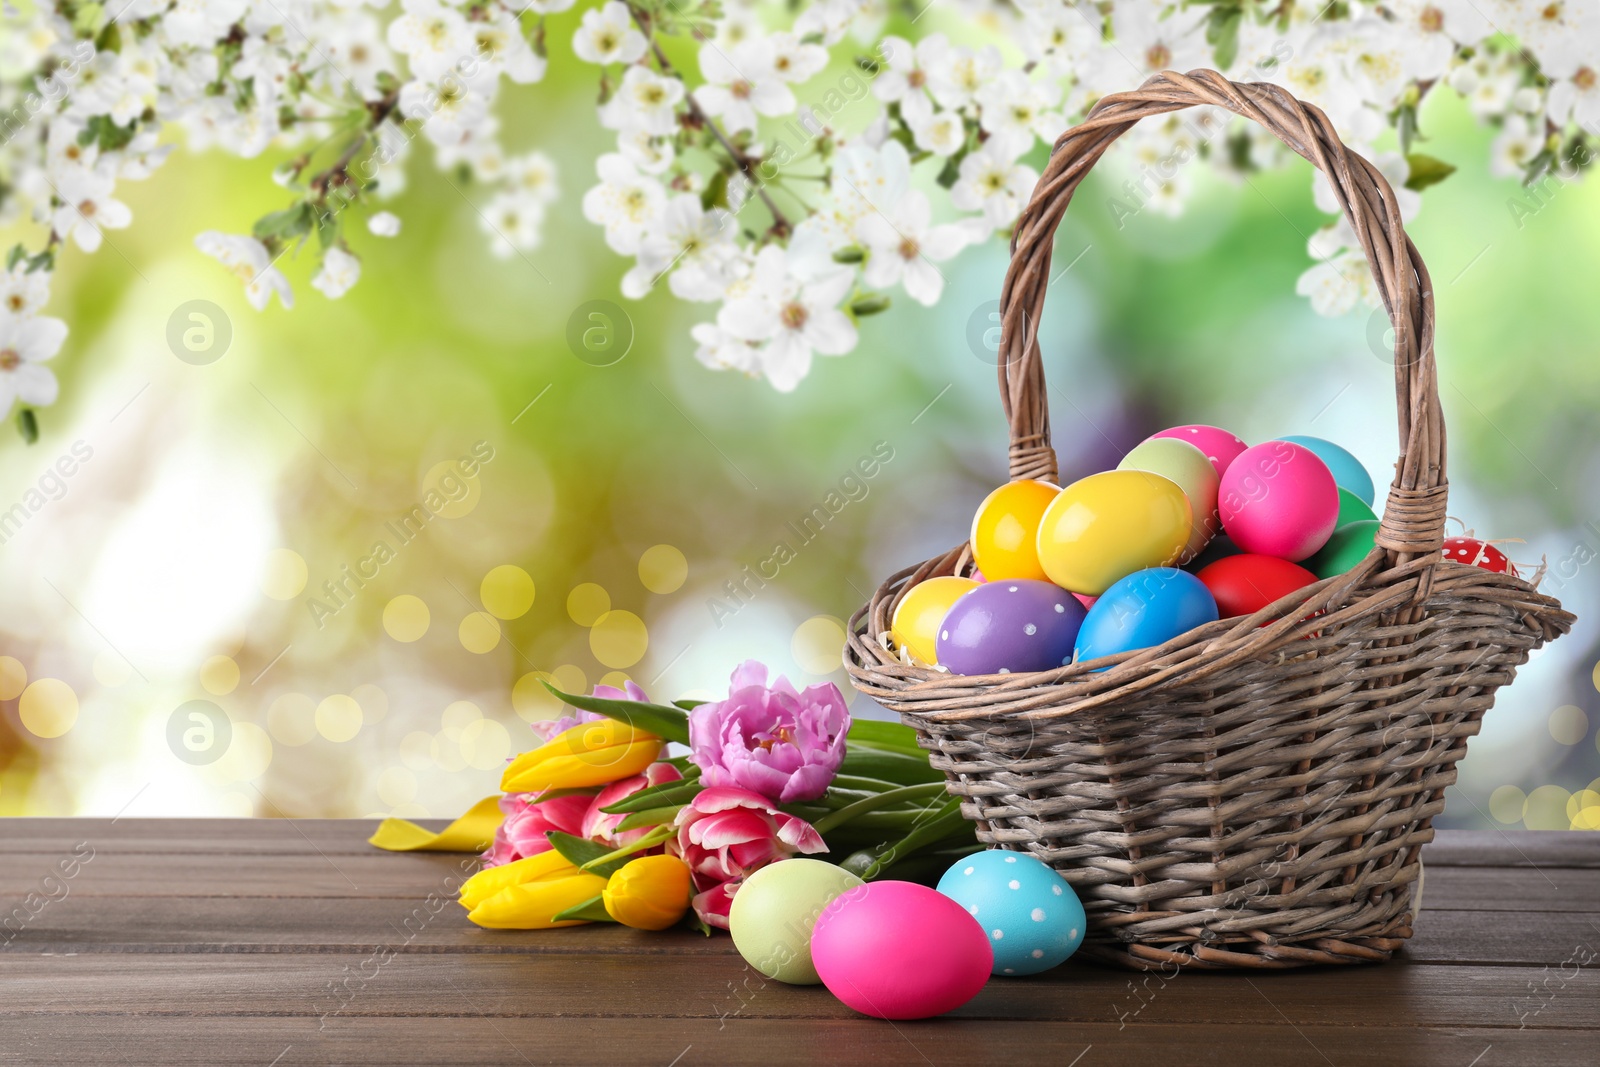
x=600, y=827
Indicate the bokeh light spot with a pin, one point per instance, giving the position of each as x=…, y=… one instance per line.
x=507, y=592
x=619, y=639
x=479, y=632
x=219, y=676
x=663, y=569
x=416, y=750
x=1546, y=809
x=458, y=716
x=110, y=670
x=405, y=618
x=1506, y=804
x=13, y=678
x=818, y=644
x=534, y=703
x=1583, y=798
x=338, y=718
x=460, y=495
x=374, y=703
x=284, y=575
x=1568, y=724
x=292, y=719
x=396, y=785
x=446, y=752
x=485, y=744
x=49, y=707
x=615, y=679
x=587, y=602
x=249, y=753
x=1595, y=677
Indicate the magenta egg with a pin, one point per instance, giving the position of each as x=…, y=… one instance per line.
x=898, y=950
x=1220, y=446
x=1009, y=627
x=1279, y=499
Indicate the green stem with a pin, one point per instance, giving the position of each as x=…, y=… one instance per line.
x=881, y=800
x=649, y=840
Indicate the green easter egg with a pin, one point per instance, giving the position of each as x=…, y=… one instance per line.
x=1352, y=509
x=774, y=910
x=1348, y=546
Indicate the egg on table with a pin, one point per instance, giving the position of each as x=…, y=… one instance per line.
x=775, y=910
x=1032, y=917
x=1006, y=627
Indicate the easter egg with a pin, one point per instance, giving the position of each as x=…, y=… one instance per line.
x=1244, y=584
x=1476, y=553
x=1348, y=546
x=1278, y=499
x=774, y=911
x=1219, y=446
x=1145, y=609
x=1033, y=918
x=1352, y=509
x=1010, y=626
x=915, y=625
x=1186, y=465
x=1346, y=469
x=1005, y=531
x=1108, y=525
x=898, y=950
x=1221, y=547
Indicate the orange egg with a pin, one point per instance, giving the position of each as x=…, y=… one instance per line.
x=1005, y=531
x=915, y=625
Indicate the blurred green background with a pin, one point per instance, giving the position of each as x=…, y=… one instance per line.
x=170, y=571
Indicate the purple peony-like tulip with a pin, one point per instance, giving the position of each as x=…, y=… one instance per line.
x=772, y=740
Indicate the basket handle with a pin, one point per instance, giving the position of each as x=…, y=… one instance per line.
x=1414, y=514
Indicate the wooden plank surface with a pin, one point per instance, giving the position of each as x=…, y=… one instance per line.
x=294, y=942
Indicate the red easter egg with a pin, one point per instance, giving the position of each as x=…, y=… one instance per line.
x=1476, y=553
x=1244, y=584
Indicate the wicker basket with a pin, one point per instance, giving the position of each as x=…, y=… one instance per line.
x=1255, y=792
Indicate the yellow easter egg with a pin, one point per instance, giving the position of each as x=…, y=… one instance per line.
x=1192, y=471
x=1106, y=526
x=917, y=617
x=1005, y=531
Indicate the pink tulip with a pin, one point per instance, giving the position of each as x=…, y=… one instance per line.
x=598, y=825
x=725, y=833
x=528, y=820
x=777, y=742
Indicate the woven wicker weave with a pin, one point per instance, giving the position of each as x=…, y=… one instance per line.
x=1255, y=792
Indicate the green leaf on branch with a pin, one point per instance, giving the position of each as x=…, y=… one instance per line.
x=15, y=256
x=28, y=425
x=1222, y=33
x=289, y=223
x=592, y=910
x=852, y=254
x=327, y=228
x=666, y=722
x=105, y=133
x=715, y=193
x=871, y=304
x=1427, y=170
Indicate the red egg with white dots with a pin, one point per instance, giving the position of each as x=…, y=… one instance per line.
x=1476, y=553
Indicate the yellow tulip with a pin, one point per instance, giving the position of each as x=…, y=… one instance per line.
x=525, y=894
x=589, y=754
x=649, y=893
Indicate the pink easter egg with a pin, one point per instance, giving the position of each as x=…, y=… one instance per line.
x=1086, y=601
x=1220, y=446
x=898, y=950
x=1279, y=499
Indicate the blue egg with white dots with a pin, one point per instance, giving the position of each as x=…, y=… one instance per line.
x=1033, y=918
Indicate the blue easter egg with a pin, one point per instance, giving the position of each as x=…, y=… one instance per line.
x=1032, y=917
x=1147, y=608
x=1348, y=473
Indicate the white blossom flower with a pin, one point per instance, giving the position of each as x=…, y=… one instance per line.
x=956, y=74
x=695, y=245
x=645, y=101
x=200, y=23
x=794, y=317
x=533, y=174
x=1153, y=43
x=903, y=246
x=1338, y=284
x=625, y=202
x=514, y=220
x=249, y=261
x=499, y=48
x=384, y=224
x=1561, y=33
x=1576, y=99
x=1429, y=32
x=89, y=207
x=742, y=84
x=23, y=292
x=795, y=60
x=432, y=37
x=1014, y=106
x=942, y=133
x=448, y=110
x=1519, y=142
x=903, y=76
x=340, y=270
x=1393, y=166
x=25, y=342
x=993, y=182
x=720, y=350
x=1488, y=82
x=607, y=35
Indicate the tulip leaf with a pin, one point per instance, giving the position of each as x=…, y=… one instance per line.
x=580, y=850
x=591, y=910
x=650, y=817
x=688, y=705
x=667, y=723
x=941, y=822
x=655, y=797
x=875, y=733
x=889, y=765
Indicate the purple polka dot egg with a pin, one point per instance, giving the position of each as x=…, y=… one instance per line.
x=1011, y=626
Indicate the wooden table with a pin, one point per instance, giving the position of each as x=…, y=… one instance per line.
x=293, y=942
